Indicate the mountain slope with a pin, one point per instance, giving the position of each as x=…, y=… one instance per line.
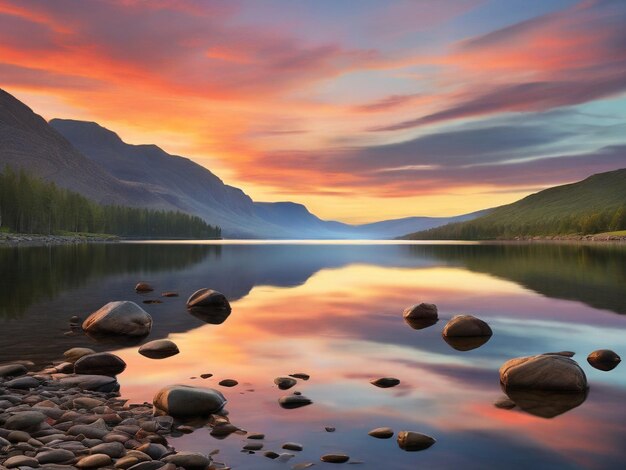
x=27, y=141
x=595, y=204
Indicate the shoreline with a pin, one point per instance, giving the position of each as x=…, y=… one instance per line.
x=24, y=239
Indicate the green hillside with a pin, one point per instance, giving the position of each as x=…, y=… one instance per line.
x=594, y=205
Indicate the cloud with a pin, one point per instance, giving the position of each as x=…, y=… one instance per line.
x=565, y=58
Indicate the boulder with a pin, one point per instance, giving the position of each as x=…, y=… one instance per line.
x=100, y=364
x=181, y=401
x=159, y=349
x=466, y=325
x=119, y=318
x=543, y=372
x=604, y=359
x=74, y=354
x=414, y=441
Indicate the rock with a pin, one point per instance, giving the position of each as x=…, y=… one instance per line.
x=188, y=460
x=86, y=403
x=504, y=403
x=207, y=298
x=182, y=401
x=294, y=401
x=151, y=465
x=155, y=451
x=119, y=318
x=330, y=429
x=98, y=383
x=253, y=446
x=300, y=375
x=88, y=430
x=74, y=354
x=25, y=421
x=466, y=325
x=285, y=383
x=270, y=454
x=421, y=315
x=466, y=343
x=385, y=382
x=54, y=456
x=100, y=364
x=228, y=383
x=13, y=370
x=169, y=294
x=381, y=433
x=293, y=446
x=561, y=353
x=414, y=441
x=22, y=383
x=159, y=349
x=18, y=436
x=604, y=359
x=543, y=372
x=335, y=458
x=206, y=376
x=114, y=450
x=21, y=461
x=143, y=287
x=94, y=461
x=256, y=436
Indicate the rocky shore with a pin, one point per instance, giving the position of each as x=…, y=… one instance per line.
x=580, y=238
x=21, y=239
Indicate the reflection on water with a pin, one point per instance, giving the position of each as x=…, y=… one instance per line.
x=335, y=312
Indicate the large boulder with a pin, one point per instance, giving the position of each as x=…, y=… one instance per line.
x=100, y=364
x=159, y=349
x=543, y=372
x=182, y=401
x=119, y=318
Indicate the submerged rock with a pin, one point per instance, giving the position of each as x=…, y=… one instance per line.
x=385, y=382
x=100, y=364
x=169, y=294
x=159, y=349
x=414, y=441
x=604, y=359
x=181, y=401
x=119, y=318
x=543, y=372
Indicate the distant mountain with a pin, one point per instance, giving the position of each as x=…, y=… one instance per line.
x=93, y=161
x=27, y=141
x=595, y=204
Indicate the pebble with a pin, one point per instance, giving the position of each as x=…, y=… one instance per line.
x=285, y=383
x=381, y=433
x=335, y=458
x=94, y=461
x=228, y=382
x=414, y=441
x=293, y=446
x=300, y=375
x=294, y=401
x=385, y=382
x=21, y=461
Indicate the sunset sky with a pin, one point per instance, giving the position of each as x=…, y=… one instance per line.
x=362, y=110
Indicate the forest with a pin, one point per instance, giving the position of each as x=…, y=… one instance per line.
x=29, y=204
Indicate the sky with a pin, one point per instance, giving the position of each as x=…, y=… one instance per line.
x=362, y=110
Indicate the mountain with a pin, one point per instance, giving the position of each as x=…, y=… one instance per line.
x=193, y=188
x=595, y=204
x=27, y=141
x=89, y=159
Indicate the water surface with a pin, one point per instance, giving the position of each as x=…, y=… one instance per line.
x=334, y=312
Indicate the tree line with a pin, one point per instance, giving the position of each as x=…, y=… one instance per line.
x=29, y=204
x=484, y=228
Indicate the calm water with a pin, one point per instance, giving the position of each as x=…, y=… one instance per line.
x=335, y=312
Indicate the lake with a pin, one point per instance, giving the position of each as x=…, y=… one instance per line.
x=334, y=311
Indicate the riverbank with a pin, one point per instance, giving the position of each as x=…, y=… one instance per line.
x=23, y=239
